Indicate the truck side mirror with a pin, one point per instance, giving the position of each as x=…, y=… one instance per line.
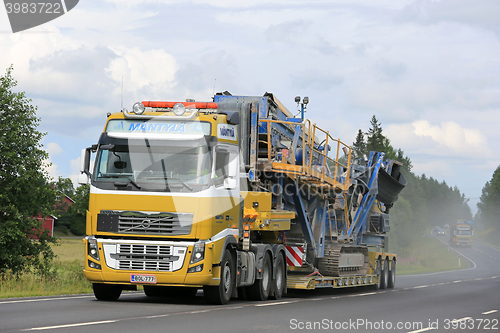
x=84, y=176
x=83, y=179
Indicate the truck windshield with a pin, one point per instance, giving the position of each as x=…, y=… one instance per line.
x=143, y=165
x=464, y=232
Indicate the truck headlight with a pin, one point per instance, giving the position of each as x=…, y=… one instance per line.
x=179, y=109
x=138, y=108
x=198, y=252
x=94, y=265
x=195, y=269
x=92, y=249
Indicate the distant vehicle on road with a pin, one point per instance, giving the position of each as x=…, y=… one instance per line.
x=440, y=231
x=461, y=234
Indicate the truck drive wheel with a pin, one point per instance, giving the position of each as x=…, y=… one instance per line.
x=107, y=292
x=221, y=294
x=392, y=275
x=279, y=281
x=384, y=275
x=259, y=291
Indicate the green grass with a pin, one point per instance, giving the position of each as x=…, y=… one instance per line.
x=429, y=255
x=67, y=278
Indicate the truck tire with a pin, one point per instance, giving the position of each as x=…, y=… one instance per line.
x=392, y=275
x=259, y=291
x=221, y=294
x=279, y=281
x=384, y=275
x=106, y=292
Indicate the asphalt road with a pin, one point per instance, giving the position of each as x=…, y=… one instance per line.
x=467, y=300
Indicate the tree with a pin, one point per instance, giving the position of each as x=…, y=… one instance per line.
x=359, y=145
x=79, y=209
x=488, y=206
x=25, y=190
x=65, y=186
x=375, y=139
x=81, y=197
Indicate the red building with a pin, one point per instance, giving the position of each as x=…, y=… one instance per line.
x=47, y=223
x=63, y=203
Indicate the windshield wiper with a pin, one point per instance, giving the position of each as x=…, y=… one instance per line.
x=183, y=183
x=179, y=180
x=131, y=181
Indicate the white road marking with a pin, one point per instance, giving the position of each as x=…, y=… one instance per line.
x=423, y=330
x=276, y=303
x=365, y=294
x=459, y=320
x=45, y=299
x=159, y=316
x=130, y=293
x=201, y=311
x=71, y=325
x=489, y=312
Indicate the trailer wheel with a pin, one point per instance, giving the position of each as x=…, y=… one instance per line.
x=221, y=294
x=392, y=275
x=259, y=291
x=106, y=292
x=279, y=281
x=384, y=275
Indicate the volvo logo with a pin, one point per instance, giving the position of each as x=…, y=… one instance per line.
x=146, y=223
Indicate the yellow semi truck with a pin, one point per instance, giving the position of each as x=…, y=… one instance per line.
x=461, y=234
x=236, y=197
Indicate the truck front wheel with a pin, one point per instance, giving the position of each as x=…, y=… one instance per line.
x=107, y=292
x=221, y=294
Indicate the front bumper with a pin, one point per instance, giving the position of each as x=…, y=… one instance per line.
x=167, y=261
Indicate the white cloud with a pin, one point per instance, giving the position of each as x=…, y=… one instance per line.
x=75, y=171
x=146, y=73
x=51, y=169
x=53, y=148
x=452, y=135
x=447, y=139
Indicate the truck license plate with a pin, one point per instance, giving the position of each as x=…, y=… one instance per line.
x=142, y=278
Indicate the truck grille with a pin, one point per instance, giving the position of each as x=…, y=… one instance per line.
x=130, y=222
x=144, y=257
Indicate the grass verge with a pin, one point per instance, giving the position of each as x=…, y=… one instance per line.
x=429, y=255
x=67, y=278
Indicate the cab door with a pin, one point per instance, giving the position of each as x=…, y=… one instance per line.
x=227, y=180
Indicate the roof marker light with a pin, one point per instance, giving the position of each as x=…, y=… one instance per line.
x=138, y=108
x=179, y=109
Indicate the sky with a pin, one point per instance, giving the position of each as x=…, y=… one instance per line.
x=428, y=70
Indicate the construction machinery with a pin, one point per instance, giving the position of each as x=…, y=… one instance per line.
x=237, y=197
